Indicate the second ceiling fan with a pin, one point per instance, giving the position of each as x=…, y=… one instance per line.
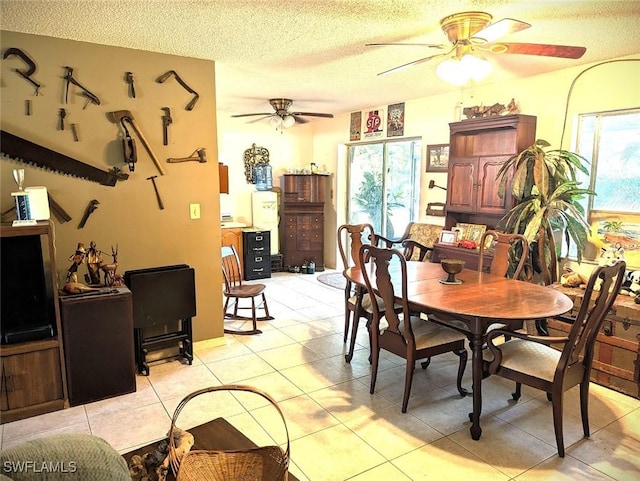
x=473, y=32
x=282, y=116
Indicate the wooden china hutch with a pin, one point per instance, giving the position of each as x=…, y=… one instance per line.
x=477, y=150
x=303, y=219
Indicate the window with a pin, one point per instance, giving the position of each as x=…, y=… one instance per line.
x=384, y=183
x=611, y=143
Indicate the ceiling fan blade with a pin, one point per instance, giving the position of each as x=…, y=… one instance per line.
x=299, y=120
x=312, y=114
x=562, y=51
x=498, y=30
x=429, y=45
x=249, y=115
x=411, y=64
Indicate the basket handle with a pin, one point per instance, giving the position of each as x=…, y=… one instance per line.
x=174, y=460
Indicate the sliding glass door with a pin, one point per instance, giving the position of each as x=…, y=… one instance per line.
x=384, y=180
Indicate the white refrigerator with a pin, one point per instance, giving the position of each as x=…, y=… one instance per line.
x=264, y=209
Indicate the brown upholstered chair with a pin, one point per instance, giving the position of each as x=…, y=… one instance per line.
x=421, y=235
x=235, y=290
x=357, y=303
x=531, y=360
x=402, y=333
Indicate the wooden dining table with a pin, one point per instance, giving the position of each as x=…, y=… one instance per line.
x=480, y=300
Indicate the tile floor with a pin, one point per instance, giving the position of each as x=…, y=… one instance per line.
x=337, y=430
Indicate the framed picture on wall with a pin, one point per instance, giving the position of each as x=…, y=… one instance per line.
x=437, y=157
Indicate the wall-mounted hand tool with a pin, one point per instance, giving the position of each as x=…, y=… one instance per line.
x=162, y=78
x=74, y=131
x=92, y=206
x=200, y=157
x=129, y=148
x=68, y=77
x=128, y=77
x=120, y=116
x=166, y=121
x=155, y=188
x=34, y=154
x=62, y=113
x=58, y=211
x=27, y=107
x=25, y=74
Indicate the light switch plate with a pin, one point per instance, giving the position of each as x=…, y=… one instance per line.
x=194, y=211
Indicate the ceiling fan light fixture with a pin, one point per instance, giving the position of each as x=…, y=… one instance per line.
x=275, y=121
x=288, y=121
x=458, y=71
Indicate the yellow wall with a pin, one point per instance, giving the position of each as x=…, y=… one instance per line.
x=128, y=214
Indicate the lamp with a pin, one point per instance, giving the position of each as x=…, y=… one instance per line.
x=288, y=121
x=275, y=121
x=459, y=70
x=282, y=121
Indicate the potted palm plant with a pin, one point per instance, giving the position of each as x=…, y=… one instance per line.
x=548, y=195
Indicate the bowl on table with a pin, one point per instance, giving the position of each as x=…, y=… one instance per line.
x=451, y=267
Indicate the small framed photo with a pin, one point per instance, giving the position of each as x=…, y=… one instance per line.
x=475, y=232
x=437, y=157
x=462, y=229
x=448, y=237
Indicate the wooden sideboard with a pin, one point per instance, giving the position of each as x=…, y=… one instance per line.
x=616, y=362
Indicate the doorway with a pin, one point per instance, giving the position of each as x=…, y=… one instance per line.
x=384, y=183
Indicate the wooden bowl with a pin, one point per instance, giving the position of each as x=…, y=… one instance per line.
x=452, y=267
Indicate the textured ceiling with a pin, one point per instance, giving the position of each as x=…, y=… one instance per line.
x=313, y=51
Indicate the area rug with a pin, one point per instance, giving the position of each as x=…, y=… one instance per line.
x=333, y=279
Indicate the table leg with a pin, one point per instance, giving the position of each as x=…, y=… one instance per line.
x=476, y=366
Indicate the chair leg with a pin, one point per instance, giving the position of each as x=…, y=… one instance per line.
x=462, y=354
x=265, y=307
x=518, y=393
x=375, y=356
x=557, y=422
x=584, y=406
x=226, y=306
x=253, y=314
x=354, y=332
x=425, y=363
x=408, y=379
x=347, y=321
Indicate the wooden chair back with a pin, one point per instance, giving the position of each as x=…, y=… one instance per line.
x=505, y=247
x=231, y=270
x=593, y=310
x=398, y=335
x=350, y=238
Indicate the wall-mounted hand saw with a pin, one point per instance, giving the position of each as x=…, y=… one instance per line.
x=34, y=154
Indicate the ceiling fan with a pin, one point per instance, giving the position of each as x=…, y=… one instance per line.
x=282, y=116
x=473, y=32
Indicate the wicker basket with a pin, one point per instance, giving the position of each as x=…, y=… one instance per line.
x=268, y=463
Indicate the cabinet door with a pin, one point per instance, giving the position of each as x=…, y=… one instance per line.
x=31, y=378
x=462, y=184
x=488, y=200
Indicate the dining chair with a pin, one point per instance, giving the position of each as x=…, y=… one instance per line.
x=507, y=249
x=402, y=333
x=530, y=360
x=235, y=290
x=357, y=302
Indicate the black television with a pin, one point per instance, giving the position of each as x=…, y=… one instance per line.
x=26, y=306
